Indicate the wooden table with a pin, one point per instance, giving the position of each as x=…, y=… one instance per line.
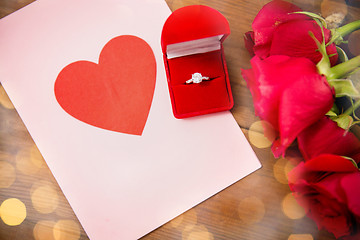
x=259, y=206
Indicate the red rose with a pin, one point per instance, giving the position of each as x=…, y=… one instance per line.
x=288, y=93
x=325, y=136
x=277, y=32
x=328, y=188
x=293, y=39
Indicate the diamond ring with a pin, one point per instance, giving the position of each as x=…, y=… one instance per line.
x=196, y=78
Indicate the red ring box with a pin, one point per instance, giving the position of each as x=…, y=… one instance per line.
x=191, y=42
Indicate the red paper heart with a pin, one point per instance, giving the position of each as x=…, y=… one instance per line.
x=116, y=93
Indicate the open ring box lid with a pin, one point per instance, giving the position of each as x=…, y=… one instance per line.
x=191, y=42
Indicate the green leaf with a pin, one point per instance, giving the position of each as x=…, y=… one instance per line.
x=343, y=121
x=335, y=109
x=323, y=65
x=331, y=114
x=341, y=54
x=354, y=106
x=352, y=161
x=344, y=87
x=314, y=16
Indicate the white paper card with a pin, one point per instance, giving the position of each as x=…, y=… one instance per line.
x=120, y=186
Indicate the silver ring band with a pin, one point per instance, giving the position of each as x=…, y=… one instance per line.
x=196, y=78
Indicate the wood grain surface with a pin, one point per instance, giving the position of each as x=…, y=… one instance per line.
x=259, y=206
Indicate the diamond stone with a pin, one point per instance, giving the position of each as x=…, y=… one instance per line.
x=197, y=78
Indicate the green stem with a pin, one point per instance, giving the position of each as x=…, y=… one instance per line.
x=350, y=110
x=348, y=28
x=341, y=70
x=338, y=33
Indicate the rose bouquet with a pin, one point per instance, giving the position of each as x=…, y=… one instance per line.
x=298, y=75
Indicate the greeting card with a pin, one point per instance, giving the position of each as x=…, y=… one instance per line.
x=88, y=80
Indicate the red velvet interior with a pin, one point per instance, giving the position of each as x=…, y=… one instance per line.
x=207, y=96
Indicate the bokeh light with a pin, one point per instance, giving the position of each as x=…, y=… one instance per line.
x=197, y=232
x=291, y=208
x=187, y=220
x=66, y=230
x=281, y=169
x=7, y=174
x=29, y=160
x=44, y=197
x=353, y=43
x=300, y=237
x=261, y=134
x=13, y=212
x=44, y=230
x=334, y=12
x=251, y=210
